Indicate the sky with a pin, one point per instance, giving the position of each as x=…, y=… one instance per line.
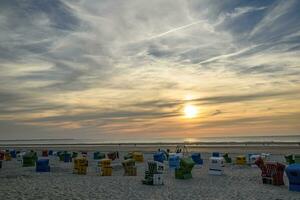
x=143, y=70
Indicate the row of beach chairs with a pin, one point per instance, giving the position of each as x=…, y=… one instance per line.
x=271, y=172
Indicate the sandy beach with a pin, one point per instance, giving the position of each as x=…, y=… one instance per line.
x=238, y=182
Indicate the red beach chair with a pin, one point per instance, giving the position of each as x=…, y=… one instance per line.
x=2, y=155
x=113, y=155
x=271, y=172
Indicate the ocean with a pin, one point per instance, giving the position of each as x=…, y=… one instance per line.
x=241, y=139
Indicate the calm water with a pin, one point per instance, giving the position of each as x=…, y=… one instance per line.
x=295, y=138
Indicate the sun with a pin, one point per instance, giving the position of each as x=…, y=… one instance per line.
x=190, y=111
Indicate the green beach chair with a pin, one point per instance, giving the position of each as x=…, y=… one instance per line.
x=297, y=159
x=289, y=159
x=29, y=159
x=227, y=158
x=185, y=168
x=74, y=155
x=128, y=156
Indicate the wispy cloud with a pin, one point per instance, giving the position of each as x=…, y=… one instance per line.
x=114, y=69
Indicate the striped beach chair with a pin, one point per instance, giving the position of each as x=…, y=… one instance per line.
x=271, y=172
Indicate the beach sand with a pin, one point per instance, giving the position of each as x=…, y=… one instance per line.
x=239, y=182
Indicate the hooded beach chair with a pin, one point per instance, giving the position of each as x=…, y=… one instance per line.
x=29, y=159
x=80, y=166
x=174, y=161
x=138, y=156
x=293, y=174
x=154, y=173
x=98, y=156
x=129, y=167
x=253, y=159
x=215, y=154
x=240, y=160
x=113, y=155
x=45, y=153
x=42, y=165
x=271, y=172
x=7, y=156
x=105, y=167
x=2, y=154
x=265, y=156
x=185, y=168
x=216, y=166
x=128, y=156
x=297, y=159
x=165, y=152
x=65, y=156
x=227, y=158
x=196, y=157
x=74, y=154
x=289, y=159
x=159, y=157
x=13, y=153
x=20, y=156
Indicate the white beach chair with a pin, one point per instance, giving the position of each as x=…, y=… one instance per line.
x=253, y=158
x=216, y=166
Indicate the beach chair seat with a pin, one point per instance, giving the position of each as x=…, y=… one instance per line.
x=196, y=157
x=293, y=174
x=227, y=158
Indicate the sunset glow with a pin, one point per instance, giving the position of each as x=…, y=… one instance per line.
x=190, y=111
x=137, y=70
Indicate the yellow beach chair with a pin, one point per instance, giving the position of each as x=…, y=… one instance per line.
x=240, y=160
x=105, y=166
x=138, y=156
x=80, y=166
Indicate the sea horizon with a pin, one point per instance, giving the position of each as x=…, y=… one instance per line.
x=196, y=140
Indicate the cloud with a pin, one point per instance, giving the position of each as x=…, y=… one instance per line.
x=98, y=66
